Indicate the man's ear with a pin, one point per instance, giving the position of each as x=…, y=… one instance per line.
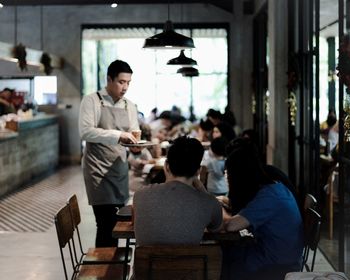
x=166, y=168
x=109, y=79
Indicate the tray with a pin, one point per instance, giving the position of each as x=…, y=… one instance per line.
x=141, y=144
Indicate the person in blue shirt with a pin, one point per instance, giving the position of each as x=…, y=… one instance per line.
x=269, y=210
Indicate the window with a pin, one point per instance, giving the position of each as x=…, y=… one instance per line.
x=154, y=83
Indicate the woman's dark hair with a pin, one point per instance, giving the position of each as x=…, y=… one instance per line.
x=250, y=134
x=117, y=67
x=165, y=115
x=226, y=131
x=206, y=125
x=229, y=117
x=184, y=156
x=215, y=114
x=245, y=173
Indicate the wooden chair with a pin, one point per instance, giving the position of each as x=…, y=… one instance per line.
x=65, y=231
x=312, y=225
x=332, y=197
x=95, y=255
x=170, y=262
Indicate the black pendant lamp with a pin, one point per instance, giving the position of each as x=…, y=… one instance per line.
x=188, y=72
x=182, y=59
x=168, y=39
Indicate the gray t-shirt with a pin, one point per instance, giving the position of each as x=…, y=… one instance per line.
x=174, y=213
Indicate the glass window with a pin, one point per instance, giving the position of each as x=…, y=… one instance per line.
x=154, y=83
x=45, y=90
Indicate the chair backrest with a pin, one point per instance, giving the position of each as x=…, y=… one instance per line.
x=65, y=231
x=76, y=219
x=195, y=262
x=310, y=202
x=333, y=181
x=74, y=207
x=312, y=226
x=64, y=226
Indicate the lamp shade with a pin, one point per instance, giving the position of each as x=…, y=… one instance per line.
x=182, y=59
x=168, y=39
x=188, y=72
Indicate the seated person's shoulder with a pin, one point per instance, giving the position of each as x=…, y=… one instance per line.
x=151, y=188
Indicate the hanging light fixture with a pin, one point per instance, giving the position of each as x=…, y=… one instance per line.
x=188, y=72
x=168, y=39
x=182, y=59
x=45, y=59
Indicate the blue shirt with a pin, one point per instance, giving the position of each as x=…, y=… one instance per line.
x=277, y=225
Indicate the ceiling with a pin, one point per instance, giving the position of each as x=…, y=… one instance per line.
x=223, y=4
x=328, y=8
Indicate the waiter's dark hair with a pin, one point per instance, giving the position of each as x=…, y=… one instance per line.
x=184, y=156
x=116, y=67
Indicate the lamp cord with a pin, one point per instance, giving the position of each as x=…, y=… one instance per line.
x=168, y=10
x=41, y=29
x=15, y=25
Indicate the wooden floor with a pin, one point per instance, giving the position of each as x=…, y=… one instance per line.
x=28, y=241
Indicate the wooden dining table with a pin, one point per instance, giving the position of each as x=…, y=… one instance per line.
x=125, y=230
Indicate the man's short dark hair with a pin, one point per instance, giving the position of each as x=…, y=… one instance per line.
x=185, y=156
x=117, y=67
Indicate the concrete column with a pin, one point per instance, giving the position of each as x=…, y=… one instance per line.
x=241, y=61
x=277, y=148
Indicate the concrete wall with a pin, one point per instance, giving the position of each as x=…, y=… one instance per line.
x=62, y=28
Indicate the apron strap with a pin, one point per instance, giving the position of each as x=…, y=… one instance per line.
x=101, y=100
x=102, y=104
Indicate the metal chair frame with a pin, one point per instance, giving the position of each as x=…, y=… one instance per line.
x=312, y=226
x=65, y=234
x=125, y=256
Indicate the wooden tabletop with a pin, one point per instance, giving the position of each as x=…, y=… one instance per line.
x=123, y=230
x=126, y=230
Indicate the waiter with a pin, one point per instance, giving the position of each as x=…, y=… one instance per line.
x=105, y=120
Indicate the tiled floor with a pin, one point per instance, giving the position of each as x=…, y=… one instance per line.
x=35, y=255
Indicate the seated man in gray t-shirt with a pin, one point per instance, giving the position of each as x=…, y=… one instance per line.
x=179, y=210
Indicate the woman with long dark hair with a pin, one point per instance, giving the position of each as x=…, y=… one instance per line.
x=269, y=210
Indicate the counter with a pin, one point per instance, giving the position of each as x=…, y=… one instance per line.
x=29, y=152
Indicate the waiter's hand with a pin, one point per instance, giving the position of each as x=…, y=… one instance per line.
x=127, y=138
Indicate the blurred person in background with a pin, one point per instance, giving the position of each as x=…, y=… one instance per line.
x=6, y=106
x=214, y=116
x=212, y=172
x=224, y=130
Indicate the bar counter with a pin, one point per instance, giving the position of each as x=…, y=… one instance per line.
x=29, y=152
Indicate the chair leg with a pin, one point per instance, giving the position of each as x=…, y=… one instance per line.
x=313, y=261
x=330, y=213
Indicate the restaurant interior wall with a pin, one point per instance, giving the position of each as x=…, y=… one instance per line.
x=62, y=28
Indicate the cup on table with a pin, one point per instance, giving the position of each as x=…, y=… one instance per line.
x=137, y=134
